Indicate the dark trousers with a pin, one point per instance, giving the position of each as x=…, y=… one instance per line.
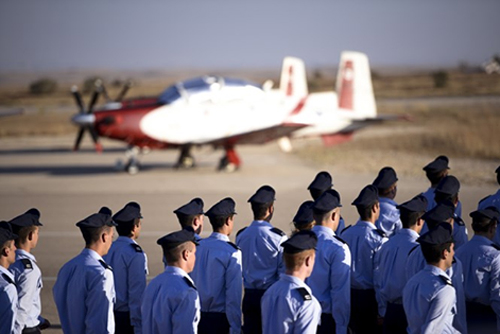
x=252, y=318
x=395, y=319
x=213, y=322
x=122, y=323
x=480, y=318
x=32, y=330
x=364, y=312
x=327, y=324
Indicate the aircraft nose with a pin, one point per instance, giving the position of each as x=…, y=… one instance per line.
x=83, y=119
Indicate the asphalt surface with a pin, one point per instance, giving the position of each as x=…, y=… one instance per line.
x=65, y=186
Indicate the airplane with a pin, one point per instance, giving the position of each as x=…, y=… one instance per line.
x=225, y=112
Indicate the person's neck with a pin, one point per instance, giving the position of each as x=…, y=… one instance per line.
x=25, y=247
x=327, y=224
x=99, y=249
x=441, y=265
x=222, y=231
x=484, y=234
x=300, y=274
x=4, y=262
x=180, y=265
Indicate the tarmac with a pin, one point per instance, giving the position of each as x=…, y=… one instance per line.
x=68, y=186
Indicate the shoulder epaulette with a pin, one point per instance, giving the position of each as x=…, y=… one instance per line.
x=137, y=248
x=459, y=221
x=483, y=199
x=345, y=229
x=340, y=239
x=381, y=233
x=278, y=231
x=188, y=281
x=27, y=263
x=105, y=265
x=495, y=246
x=8, y=279
x=411, y=250
x=304, y=293
x=244, y=228
x=234, y=245
x=446, y=280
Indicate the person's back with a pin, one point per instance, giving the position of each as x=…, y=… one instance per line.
x=8, y=291
x=386, y=183
x=492, y=200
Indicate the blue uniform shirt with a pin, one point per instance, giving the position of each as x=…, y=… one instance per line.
x=262, y=254
x=389, y=272
x=481, y=264
x=429, y=301
x=388, y=221
x=84, y=294
x=330, y=281
x=288, y=306
x=416, y=262
x=28, y=279
x=459, y=231
x=171, y=304
x=130, y=268
x=492, y=200
x=364, y=241
x=8, y=303
x=218, y=277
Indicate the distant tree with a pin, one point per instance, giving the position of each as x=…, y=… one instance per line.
x=43, y=86
x=89, y=84
x=440, y=79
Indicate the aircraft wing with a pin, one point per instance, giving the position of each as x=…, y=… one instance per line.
x=261, y=136
x=362, y=123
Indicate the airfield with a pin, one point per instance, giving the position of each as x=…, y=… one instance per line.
x=66, y=186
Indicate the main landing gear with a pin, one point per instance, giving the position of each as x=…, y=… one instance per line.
x=186, y=160
x=230, y=162
x=133, y=163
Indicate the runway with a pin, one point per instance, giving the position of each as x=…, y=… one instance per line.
x=67, y=186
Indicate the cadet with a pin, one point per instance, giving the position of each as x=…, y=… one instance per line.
x=435, y=171
x=191, y=215
x=130, y=268
x=217, y=273
x=330, y=280
x=303, y=219
x=389, y=275
x=171, y=303
x=27, y=274
x=84, y=291
x=321, y=183
x=481, y=261
x=262, y=256
x=442, y=213
x=493, y=200
x=8, y=291
x=364, y=241
x=288, y=306
x=386, y=183
x=429, y=298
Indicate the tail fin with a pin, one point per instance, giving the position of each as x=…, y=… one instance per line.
x=293, y=80
x=354, y=85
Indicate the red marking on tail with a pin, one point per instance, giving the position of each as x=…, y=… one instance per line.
x=289, y=88
x=346, y=96
x=299, y=106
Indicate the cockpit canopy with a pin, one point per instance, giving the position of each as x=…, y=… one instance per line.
x=207, y=84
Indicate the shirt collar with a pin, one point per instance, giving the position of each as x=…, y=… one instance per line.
x=24, y=254
x=387, y=200
x=295, y=280
x=92, y=253
x=5, y=271
x=219, y=236
x=414, y=235
x=178, y=271
x=366, y=223
x=323, y=229
x=125, y=239
x=436, y=271
x=261, y=223
x=482, y=240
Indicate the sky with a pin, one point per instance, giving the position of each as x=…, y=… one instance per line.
x=194, y=34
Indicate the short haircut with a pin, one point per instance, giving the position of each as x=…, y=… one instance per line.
x=320, y=216
x=92, y=234
x=293, y=262
x=435, y=177
x=482, y=224
x=409, y=218
x=23, y=232
x=185, y=220
x=365, y=212
x=306, y=227
x=173, y=255
x=432, y=253
x=218, y=221
x=259, y=209
x=441, y=197
x=125, y=228
x=386, y=191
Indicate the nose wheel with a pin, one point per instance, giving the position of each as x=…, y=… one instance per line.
x=186, y=160
x=133, y=164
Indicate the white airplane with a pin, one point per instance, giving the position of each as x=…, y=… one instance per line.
x=225, y=112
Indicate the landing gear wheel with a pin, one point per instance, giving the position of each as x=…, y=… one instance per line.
x=133, y=169
x=226, y=166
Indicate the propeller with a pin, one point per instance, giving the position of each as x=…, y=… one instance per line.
x=85, y=118
x=120, y=96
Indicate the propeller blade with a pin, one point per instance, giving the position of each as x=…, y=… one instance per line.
x=79, y=137
x=95, y=138
x=97, y=91
x=78, y=99
x=124, y=91
x=105, y=93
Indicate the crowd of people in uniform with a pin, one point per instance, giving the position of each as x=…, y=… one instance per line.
x=407, y=268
